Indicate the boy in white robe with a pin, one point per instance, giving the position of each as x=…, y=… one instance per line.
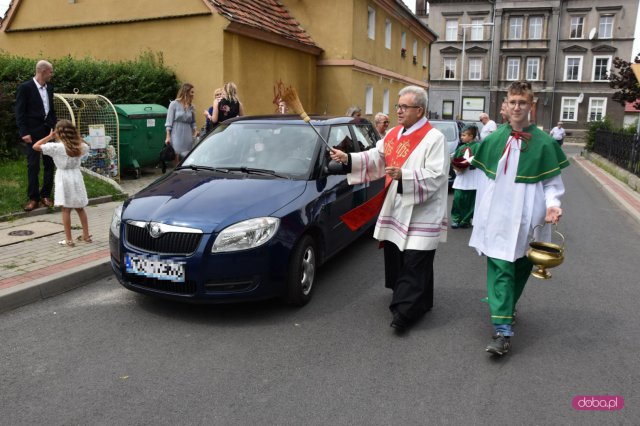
x=520, y=188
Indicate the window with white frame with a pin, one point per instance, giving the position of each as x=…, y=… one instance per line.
x=605, y=29
x=424, y=57
x=569, y=109
x=515, y=27
x=576, y=27
x=449, y=68
x=371, y=23
x=597, y=109
x=477, y=30
x=533, y=69
x=513, y=68
x=403, y=40
x=601, y=68
x=451, y=33
x=415, y=48
x=535, y=27
x=385, y=101
x=573, y=68
x=387, y=34
x=368, y=100
x=475, y=69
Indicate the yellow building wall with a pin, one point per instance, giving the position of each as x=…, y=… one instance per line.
x=196, y=47
x=46, y=13
x=255, y=67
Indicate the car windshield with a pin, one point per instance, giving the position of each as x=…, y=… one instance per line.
x=283, y=149
x=448, y=129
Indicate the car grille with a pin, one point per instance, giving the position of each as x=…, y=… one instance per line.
x=169, y=243
x=185, y=288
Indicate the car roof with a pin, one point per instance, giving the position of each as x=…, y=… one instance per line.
x=316, y=120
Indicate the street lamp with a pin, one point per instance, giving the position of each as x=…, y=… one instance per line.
x=464, y=40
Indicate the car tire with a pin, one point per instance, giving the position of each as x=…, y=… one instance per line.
x=302, y=272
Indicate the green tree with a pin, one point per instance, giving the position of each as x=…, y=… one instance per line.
x=624, y=80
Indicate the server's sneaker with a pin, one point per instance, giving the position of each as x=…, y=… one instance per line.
x=499, y=344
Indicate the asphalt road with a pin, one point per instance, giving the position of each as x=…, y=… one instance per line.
x=104, y=355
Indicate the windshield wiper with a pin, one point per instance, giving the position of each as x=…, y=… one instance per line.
x=252, y=171
x=196, y=168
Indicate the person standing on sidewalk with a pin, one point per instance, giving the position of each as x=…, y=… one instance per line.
x=412, y=210
x=488, y=126
x=36, y=117
x=558, y=133
x=520, y=188
x=70, y=190
x=181, y=121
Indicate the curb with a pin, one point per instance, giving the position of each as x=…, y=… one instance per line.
x=618, y=192
x=54, y=284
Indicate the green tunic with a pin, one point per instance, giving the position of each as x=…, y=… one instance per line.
x=541, y=157
x=460, y=151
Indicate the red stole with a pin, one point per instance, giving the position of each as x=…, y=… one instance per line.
x=396, y=152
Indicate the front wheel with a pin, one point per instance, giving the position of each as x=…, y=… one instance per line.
x=302, y=272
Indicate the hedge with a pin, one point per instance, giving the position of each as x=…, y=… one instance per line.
x=144, y=80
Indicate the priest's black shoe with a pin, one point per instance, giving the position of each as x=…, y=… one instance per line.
x=400, y=324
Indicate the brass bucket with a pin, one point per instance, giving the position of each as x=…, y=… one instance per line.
x=545, y=255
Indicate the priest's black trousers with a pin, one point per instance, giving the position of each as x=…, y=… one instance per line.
x=409, y=274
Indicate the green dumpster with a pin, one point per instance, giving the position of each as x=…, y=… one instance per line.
x=142, y=135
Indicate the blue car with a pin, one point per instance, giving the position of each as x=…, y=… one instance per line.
x=250, y=213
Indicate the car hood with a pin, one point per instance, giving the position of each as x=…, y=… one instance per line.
x=210, y=203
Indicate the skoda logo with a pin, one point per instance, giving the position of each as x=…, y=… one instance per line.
x=154, y=230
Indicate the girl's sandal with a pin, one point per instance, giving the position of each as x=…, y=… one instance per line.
x=86, y=240
x=67, y=243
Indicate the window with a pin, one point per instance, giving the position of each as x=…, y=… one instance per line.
x=452, y=30
x=533, y=69
x=577, y=27
x=605, y=29
x=569, y=109
x=415, y=48
x=513, y=68
x=477, y=30
x=449, y=68
x=368, y=100
x=371, y=23
x=475, y=69
x=447, y=110
x=573, y=68
x=340, y=137
x=387, y=34
x=403, y=40
x=535, y=28
x=385, y=102
x=365, y=136
x=424, y=57
x=601, y=68
x=515, y=28
x=597, y=108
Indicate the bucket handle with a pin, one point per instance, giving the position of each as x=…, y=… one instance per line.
x=555, y=229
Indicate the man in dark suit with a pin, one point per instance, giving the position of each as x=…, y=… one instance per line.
x=36, y=117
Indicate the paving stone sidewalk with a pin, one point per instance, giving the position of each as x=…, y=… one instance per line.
x=36, y=268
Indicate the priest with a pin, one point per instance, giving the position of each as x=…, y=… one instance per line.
x=413, y=158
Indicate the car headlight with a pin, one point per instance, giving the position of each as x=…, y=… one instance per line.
x=246, y=234
x=115, y=221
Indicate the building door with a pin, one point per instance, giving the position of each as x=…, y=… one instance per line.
x=447, y=110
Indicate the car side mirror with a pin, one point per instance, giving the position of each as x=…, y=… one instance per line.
x=335, y=168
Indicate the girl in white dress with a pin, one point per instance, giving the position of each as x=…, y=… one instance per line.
x=70, y=192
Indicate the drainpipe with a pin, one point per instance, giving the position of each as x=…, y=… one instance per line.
x=555, y=68
x=493, y=33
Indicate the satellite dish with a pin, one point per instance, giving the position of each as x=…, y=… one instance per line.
x=580, y=98
x=592, y=33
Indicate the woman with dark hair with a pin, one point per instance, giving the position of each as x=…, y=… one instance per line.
x=181, y=121
x=228, y=106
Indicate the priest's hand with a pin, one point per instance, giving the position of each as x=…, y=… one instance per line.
x=553, y=214
x=337, y=155
x=394, y=172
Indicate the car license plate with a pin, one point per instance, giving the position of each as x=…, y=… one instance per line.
x=153, y=267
